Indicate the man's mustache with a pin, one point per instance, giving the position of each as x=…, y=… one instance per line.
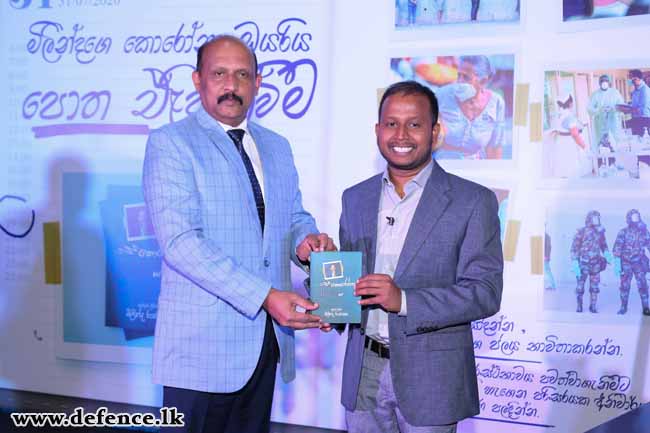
x=230, y=95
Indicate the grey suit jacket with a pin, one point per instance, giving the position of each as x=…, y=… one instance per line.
x=451, y=269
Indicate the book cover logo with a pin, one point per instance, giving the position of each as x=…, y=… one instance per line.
x=137, y=223
x=332, y=270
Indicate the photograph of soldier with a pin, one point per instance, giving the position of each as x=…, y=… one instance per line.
x=630, y=259
x=590, y=256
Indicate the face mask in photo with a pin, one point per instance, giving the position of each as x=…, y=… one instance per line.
x=595, y=221
x=635, y=218
x=464, y=91
x=604, y=85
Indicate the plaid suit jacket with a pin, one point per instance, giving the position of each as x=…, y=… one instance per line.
x=217, y=266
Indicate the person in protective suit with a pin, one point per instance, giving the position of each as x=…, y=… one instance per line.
x=590, y=256
x=630, y=259
x=605, y=120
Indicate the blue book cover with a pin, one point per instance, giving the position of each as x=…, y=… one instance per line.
x=133, y=262
x=332, y=277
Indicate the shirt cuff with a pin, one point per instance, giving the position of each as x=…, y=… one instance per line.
x=402, y=311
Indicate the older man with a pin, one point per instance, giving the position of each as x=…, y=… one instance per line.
x=224, y=201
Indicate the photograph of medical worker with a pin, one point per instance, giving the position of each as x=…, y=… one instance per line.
x=599, y=257
x=573, y=10
x=596, y=124
x=475, y=97
x=428, y=13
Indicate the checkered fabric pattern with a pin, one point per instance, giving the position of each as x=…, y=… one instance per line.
x=218, y=266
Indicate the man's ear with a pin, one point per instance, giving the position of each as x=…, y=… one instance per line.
x=258, y=82
x=435, y=132
x=196, y=79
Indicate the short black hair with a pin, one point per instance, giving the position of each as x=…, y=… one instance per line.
x=636, y=73
x=235, y=39
x=412, y=88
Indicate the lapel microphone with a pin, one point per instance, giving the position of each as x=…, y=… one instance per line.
x=390, y=220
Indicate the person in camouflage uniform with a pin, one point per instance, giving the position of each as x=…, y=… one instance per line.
x=630, y=259
x=589, y=255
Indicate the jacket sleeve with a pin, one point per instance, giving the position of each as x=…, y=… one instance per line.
x=617, y=249
x=476, y=293
x=576, y=245
x=603, y=242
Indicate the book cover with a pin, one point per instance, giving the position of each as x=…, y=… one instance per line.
x=133, y=262
x=332, y=277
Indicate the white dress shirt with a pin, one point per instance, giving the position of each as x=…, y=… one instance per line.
x=251, y=150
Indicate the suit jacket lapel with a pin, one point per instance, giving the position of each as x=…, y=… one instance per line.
x=270, y=174
x=219, y=138
x=226, y=147
x=432, y=205
x=369, y=211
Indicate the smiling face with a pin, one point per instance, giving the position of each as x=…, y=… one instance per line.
x=227, y=82
x=405, y=134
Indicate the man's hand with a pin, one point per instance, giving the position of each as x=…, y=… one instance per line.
x=314, y=242
x=282, y=307
x=379, y=289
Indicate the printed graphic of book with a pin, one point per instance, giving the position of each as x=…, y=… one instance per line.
x=332, y=277
x=133, y=262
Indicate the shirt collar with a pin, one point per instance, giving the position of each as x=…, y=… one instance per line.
x=210, y=122
x=419, y=180
x=243, y=125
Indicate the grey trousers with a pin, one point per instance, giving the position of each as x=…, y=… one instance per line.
x=377, y=410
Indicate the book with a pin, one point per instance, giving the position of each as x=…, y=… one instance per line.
x=332, y=276
x=133, y=262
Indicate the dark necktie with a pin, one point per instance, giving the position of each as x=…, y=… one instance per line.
x=237, y=136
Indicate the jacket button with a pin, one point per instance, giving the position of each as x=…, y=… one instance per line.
x=267, y=262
